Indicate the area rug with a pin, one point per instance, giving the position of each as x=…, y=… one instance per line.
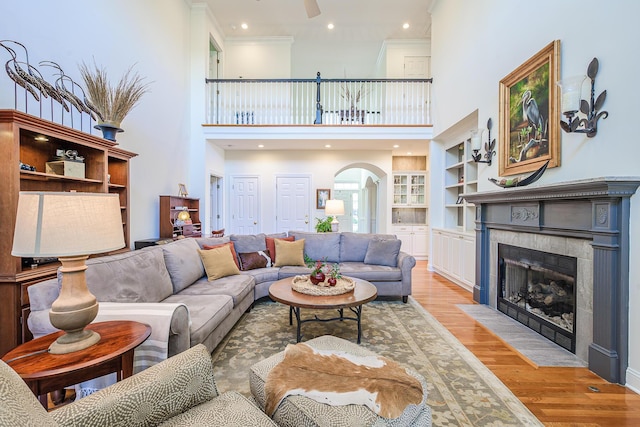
x=539, y=350
x=462, y=391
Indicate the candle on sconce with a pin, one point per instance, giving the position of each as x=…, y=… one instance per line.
x=571, y=93
x=476, y=139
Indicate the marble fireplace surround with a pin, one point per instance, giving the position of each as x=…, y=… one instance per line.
x=595, y=211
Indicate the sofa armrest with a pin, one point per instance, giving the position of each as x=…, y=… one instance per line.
x=406, y=263
x=178, y=328
x=149, y=397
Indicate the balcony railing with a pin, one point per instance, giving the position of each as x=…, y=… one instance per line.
x=319, y=101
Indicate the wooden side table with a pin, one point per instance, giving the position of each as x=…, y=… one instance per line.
x=44, y=372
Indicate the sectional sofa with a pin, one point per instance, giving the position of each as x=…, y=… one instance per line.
x=206, y=310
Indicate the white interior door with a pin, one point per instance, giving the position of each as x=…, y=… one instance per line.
x=216, y=220
x=245, y=213
x=416, y=67
x=292, y=203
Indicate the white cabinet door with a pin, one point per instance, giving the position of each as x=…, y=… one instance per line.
x=403, y=233
x=420, y=241
x=455, y=252
x=469, y=260
x=436, y=256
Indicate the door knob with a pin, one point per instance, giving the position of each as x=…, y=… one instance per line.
x=255, y=222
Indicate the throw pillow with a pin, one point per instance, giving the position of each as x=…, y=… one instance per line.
x=271, y=245
x=218, y=263
x=253, y=260
x=289, y=253
x=229, y=245
x=383, y=252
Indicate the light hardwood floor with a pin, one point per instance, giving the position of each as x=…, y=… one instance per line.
x=557, y=396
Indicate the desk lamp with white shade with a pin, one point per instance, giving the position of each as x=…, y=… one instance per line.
x=70, y=226
x=334, y=207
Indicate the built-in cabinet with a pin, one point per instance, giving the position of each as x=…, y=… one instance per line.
x=461, y=177
x=179, y=216
x=28, y=143
x=415, y=239
x=454, y=256
x=410, y=208
x=453, y=234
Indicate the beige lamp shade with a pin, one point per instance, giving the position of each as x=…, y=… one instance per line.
x=334, y=207
x=67, y=224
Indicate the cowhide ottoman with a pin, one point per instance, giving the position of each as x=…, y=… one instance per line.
x=299, y=411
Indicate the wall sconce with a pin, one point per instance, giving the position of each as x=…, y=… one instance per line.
x=572, y=102
x=476, y=144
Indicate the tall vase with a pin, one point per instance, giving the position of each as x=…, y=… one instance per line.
x=109, y=130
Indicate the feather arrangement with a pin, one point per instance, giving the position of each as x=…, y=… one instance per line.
x=113, y=103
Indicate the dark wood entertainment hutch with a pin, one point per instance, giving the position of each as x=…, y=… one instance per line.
x=106, y=170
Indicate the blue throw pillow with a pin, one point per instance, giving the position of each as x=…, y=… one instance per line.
x=383, y=252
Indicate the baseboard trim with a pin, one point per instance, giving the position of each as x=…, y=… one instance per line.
x=633, y=380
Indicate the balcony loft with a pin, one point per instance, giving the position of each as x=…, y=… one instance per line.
x=276, y=112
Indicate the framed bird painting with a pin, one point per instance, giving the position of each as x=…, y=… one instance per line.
x=530, y=114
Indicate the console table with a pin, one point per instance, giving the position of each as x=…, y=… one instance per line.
x=44, y=372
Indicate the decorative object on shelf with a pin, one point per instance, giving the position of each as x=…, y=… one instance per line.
x=572, y=102
x=69, y=226
x=182, y=190
x=112, y=103
x=334, y=275
x=181, y=217
x=529, y=97
x=322, y=195
x=476, y=144
x=518, y=181
x=303, y=285
x=333, y=208
x=217, y=233
x=323, y=225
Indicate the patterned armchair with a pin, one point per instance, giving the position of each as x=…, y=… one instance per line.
x=179, y=391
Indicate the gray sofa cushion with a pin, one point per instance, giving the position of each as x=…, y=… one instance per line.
x=383, y=252
x=262, y=275
x=353, y=246
x=135, y=276
x=320, y=245
x=206, y=312
x=371, y=273
x=211, y=241
x=249, y=243
x=236, y=286
x=183, y=262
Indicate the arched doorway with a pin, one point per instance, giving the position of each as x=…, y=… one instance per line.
x=358, y=185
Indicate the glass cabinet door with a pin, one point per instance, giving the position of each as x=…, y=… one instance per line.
x=400, y=189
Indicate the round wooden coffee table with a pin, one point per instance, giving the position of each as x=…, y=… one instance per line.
x=364, y=292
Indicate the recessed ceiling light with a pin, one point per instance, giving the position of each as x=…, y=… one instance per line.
x=261, y=146
x=405, y=25
x=330, y=26
x=41, y=138
x=396, y=146
x=408, y=153
x=327, y=146
x=244, y=26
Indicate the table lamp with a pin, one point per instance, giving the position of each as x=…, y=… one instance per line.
x=69, y=226
x=334, y=208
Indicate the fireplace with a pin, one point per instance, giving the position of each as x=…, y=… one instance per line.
x=586, y=219
x=538, y=289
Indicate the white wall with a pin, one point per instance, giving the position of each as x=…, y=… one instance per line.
x=153, y=35
x=476, y=44
x=397, y=50
x=320, y=165
x=334, y=59
x=266, y=58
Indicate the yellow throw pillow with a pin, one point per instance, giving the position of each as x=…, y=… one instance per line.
x=289, y=253
x=218, y=262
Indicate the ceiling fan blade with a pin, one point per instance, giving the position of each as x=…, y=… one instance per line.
x=312, y=8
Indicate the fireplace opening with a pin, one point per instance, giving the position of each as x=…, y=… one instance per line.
x=538, y=289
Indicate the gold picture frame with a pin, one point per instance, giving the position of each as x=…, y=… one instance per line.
x=322, y=195
x=529, y=114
